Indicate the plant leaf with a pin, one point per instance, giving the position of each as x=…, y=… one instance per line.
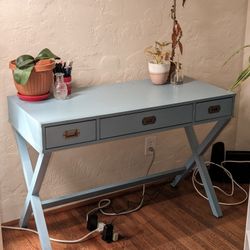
x=24, y=60
x=241, y=78
x=46, y=54
x=180, y=47
x=236, y=52
x=22, y=75
x=183, y=3
x=26, y=64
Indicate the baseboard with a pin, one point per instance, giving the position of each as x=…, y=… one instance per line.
x=92, y=201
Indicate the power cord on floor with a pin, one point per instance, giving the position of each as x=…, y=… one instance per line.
x=233, y=183
x=107, y=202
x=85, y=237
x=101, y=226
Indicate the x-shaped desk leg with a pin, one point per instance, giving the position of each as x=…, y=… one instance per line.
x=196, y=157
x=33, y=183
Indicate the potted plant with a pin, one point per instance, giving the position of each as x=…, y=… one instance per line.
x=244, y=74
x=163, y=61
x=158, y=64
x=33, y=76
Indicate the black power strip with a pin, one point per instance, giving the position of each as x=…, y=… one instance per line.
x=107, y=234
x=92, y=222
x=239, y=170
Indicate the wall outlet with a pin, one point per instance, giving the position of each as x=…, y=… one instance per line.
x=150, y=142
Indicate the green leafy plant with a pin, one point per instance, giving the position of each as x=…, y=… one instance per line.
x=158, y=53
x=244, y=74
x=26, y=63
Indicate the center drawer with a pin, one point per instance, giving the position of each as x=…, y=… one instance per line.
x=144, y=121
x=69, y=134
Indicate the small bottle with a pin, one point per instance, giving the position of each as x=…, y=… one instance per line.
x=60, y=88
x=177, y=76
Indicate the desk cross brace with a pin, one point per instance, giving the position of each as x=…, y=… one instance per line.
x=35, y=178
x=198, y=150
x=33, y=183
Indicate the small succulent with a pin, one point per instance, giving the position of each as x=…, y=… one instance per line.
x=26, y=63
x=158, y=53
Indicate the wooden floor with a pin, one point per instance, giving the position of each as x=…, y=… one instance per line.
x=170, y=219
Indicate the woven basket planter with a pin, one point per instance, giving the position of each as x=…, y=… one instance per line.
x=40, y=80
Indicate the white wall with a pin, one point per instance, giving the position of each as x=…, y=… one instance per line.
x=106, y=39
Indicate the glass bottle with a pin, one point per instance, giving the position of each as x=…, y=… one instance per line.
x=60, y=88
x=177, y=76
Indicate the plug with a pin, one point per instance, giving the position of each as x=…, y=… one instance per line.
x=107, y=234
x=92, y=222
x=100, y=227
x=115, y=237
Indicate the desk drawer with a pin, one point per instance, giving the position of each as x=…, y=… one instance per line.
x=144, y=121
x=67, y=134
x=213, y=109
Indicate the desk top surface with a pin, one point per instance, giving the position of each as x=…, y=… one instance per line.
x=103, y=100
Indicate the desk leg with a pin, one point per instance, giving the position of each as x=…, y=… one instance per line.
x=218, y=127
x=203, y=172
x=33, y=183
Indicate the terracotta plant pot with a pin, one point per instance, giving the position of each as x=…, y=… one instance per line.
x=158, y=72
x=40, y=80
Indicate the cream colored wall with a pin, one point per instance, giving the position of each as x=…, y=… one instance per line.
x=106, y=38
x=243, y=135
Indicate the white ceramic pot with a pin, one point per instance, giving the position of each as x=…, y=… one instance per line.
x=158, y=72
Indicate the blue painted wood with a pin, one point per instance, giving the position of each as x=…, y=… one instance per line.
x=25, y=159
x=34, y=186
x=133, y=123
x=70, y=134
x=113, y=99
x=43, y=125
x=40, y=222
x=100, y=102
x=193, y=142
x=215, y=131
x=219, y=108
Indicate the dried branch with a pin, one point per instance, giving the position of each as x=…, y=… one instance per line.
x=176, y=37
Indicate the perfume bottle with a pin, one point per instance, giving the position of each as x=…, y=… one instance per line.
x=60, y=88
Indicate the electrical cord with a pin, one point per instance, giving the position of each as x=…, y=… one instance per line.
x=107, y=202
x=100, y=208
x=233, y=183
x=85, y=237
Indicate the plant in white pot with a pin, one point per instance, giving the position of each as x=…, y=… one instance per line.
x=158, y=64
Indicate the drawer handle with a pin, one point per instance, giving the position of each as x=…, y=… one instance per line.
x=149, y=120
x=214, y=109
x=71, y=133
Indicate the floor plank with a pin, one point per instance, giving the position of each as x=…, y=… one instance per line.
x=171, y=218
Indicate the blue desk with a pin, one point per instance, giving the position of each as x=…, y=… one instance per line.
x=109, y=112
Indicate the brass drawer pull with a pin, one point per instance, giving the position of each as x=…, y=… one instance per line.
x=71, y=133
x=214, y=109
x=149, y=120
